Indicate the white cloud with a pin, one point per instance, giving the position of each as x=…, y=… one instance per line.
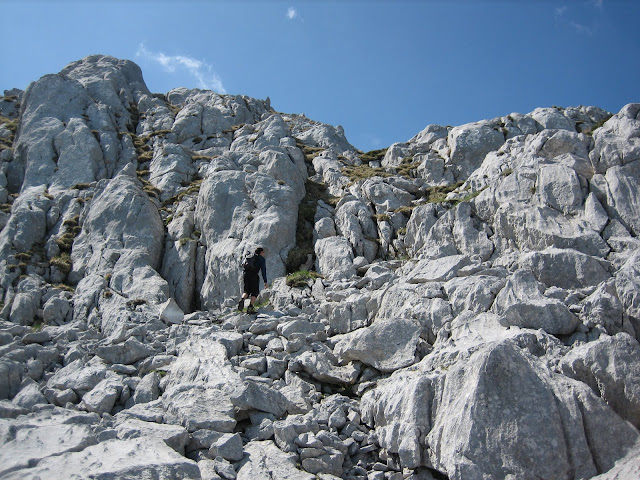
x=561, y=11
x=201, y=71
x=582, y=29
x=292, y=13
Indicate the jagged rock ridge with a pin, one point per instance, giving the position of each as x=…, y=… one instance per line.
x=475, y=315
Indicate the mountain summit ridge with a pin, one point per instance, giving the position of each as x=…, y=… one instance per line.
x=472, y=309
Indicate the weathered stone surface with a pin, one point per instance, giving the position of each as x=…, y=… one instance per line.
x=198, y=407
x=610, y=367
x=148, y=389
x=174, y=436
x=37, y=437
x=29, y=395
x=265, y=461
x=78, y=375
x=228, y=446
x=565, y=268
x=335, y=258
x=483, y=382
x=385, y=345
x=103, y=396
x=11, y=373
x=522, y=303
x=469, y=144
x=123, y=459
x=437, y=270
x=131, y=351
x=320, y=367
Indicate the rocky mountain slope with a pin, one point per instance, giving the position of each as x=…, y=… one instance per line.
x=473, y=309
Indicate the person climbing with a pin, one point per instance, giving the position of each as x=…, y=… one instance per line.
x=252, y=266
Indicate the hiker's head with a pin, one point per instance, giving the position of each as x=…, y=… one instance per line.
x=259, y=251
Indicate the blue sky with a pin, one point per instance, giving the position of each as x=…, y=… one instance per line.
x=381, y=69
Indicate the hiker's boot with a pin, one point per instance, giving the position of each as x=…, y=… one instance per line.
x=250, y=309
x=241, y=305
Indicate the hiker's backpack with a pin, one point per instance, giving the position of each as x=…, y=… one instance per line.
x=250, y=264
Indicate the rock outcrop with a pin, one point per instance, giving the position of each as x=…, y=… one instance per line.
x=471, y=309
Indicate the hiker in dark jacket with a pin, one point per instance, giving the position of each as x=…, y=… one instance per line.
x=252, y=267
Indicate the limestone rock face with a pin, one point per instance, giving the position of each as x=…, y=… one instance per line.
x=464, y=306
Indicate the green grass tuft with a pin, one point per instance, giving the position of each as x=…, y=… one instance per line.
x=301, y=278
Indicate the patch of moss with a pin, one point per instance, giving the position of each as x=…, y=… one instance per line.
x=599, y=124
x=362, y=172
x=438, y=194
x=309, y=152
x=183, y=241
x=406, y=209
x=304, y=227
x=62, y=262
x=132, y=304
x=63, y=286
x=234, y=128
x=23, y=256
x=301, y=278
x=373, y=155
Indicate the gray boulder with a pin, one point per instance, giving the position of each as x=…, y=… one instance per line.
x=623, y=200
x=541, y=421
x=80, y=376
x=228, y=446
x=11, y=373
x=122, y=459
x=617, y=142
x=197, y=407
x=354, y=221
x=552, y=119
x=29, y=395
x=506, y=387
x=127, y=353
x=174, y=436
x=41, y=435
x=610, y=367
x=28, y=222
x=521, y=303
x=469, y=144
x=264, y=461
x=441, y=269
x=385, y=345
x=103, y=396
x=559, y=187
x=628, y=289
x=122, y=233
x=565, y=268
x=148, y=389
x=335, y=258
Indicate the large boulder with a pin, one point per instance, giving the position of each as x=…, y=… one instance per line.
x=617, y=142
x=565, y=268
x=56, y=146
x=122, y=233
x=386, y=345
x=489, y=404
x=522, y=303
x=469, y=144
x=264, y=461
x=610, y=366
x=123, y=459
x=335, y=258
